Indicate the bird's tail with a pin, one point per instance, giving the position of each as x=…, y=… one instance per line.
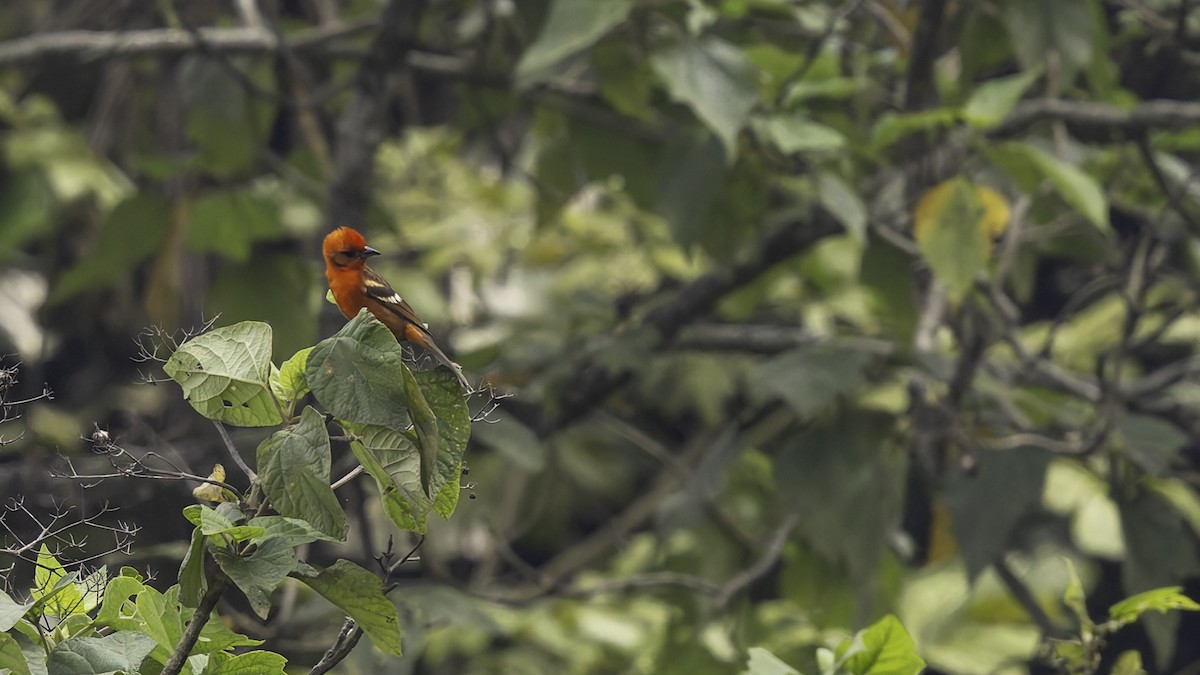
x=440, y=355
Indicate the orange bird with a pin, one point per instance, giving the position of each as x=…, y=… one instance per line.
x=355, y=286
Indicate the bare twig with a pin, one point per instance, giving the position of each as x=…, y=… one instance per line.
x=233, y=451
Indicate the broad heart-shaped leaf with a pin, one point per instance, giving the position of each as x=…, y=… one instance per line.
x=359, y=594
x=10, y=611
x=122, y=651
x=392, y=459
x=986, y=504
x=260, y=572
x=884, y=648
x=713, y=78
x=994, y=99
x=161, y=619
x=294, y=466
x=949, y=225
x=358, y=374
x=1077, y=188
x=225, y=372
x=1161, y=600
x=571, y=27
x=288, y=382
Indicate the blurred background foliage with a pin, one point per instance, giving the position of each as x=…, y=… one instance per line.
x=806, y=312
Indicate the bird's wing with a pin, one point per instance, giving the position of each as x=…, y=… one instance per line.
x=378, y=289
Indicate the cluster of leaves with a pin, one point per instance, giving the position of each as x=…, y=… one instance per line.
x=409, y=430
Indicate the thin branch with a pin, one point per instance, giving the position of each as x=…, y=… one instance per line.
x=763, y=565
x=233, y=452
x=1154, y=114
x=192, y=633
x=1026, y=599
x=346, y=640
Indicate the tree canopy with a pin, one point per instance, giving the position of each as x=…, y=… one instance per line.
x=829, y=336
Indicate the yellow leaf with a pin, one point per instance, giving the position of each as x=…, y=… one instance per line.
x=210, y=492
x=995, y=211
x=954, y=223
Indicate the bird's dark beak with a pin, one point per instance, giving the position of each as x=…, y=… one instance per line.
x=368, y=251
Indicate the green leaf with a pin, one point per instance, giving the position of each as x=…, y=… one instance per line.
x=288, y=383
x=843, y=203
x=987, y=504
x=292, y=530
x=1074, y=597
x=994, y=99
x=229, y=222
x=1158, y=553
x=258, y=573
x=845, y=479
x=219, y=119
x=392, y=459
x=161, y=620
x=1077, y=188
x=763, y=662
x=1160, y=600
x=359, y=594
x=358, y=374
x=224, y=374
x=54, y=586
x=884, y=648
x=690, y=175
x=1151, y=442
x=571, y=27
x=25, y=208
x=793, y=133
x=193, y=583
x=947, y=222
x=112, y=608
x=1129, y=663
x=294, y=467
x=121, y=652
x=426, y=427
x=809, y=378
x=891, y=127
x=443, y=393
x=133, y=231
x=12, y=657
x=251, y=663
x=1037, y=28
x=715, y=80
x=10, y=611
x=283, y=295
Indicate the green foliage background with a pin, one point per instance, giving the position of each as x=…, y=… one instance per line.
x=753, y=407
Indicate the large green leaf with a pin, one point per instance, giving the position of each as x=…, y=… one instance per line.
x=225, y=372
x=1037, y=28
x=12, y=658
x=192, y=582
x=11, y=611
x=883, y=648
x=229, y=222
x=713, y=78
x=809, y=378
x=294, y=467
x=260, y=572
x=160, y=618
x=292, y=530
x=987, y=503
x=845, y=479
x=795, y=133
x=133, y=231
x=994, y=99
x=1160, y=600
x=252, y=663
x=358, y=374
x=444, y=395
x=571, y=27
x=392, y=459
x=359, y=594
x=1077, y=188
x=55, y=587
x=121, y=652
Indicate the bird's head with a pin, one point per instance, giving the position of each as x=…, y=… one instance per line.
x=345, y=248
